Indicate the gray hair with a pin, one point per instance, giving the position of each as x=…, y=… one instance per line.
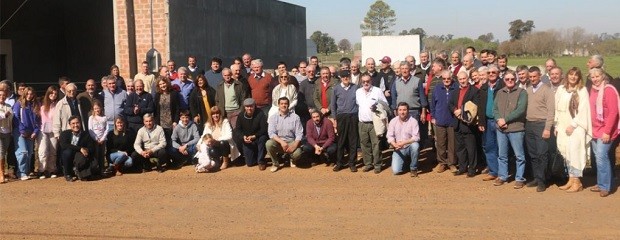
x=182, y=69
x=147, y=115
x=258, y=62
x=600, y=72
x=598, y=59
x=493, y=66
x=71, y=85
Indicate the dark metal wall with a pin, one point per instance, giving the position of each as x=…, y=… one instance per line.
x=268, y=29
x=52, y=38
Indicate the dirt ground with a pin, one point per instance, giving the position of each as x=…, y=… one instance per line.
x=299, y=203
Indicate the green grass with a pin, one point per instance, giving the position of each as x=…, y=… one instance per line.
x=612, y=63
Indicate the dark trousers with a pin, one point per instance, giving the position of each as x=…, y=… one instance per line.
x=84, y=166
x=221, y=149
x=538, y=149
x=160, y=155
x=254, y=152
x=135, y=126
x=466, y=152
x=347, y=138
x=309, y=151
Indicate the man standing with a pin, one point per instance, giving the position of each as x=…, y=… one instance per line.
x=65, y=108
x=150, y=144
x=549, y=64
x=540, y=116
x=261, y=86
x=247, y=65
x=193, y=70
x=463, y=101
x=555, y=78
x=285, y=131
x=456, y=65
x=489, y=92
x=502, y=64
x=77, y=151
x=323, y=92
x=138, y=103
x=214, y=75
x=305, y=97
x=523, y=81
x=186, y=85
x=87, y=98
x=113, y=101
x=148, y=79
x=471, y=51
x=509, y=115
x=237, y=75
x=344, y=108
x=444, y=123
x=355, y=72
x=251, y=132
x=425, y=62
x=387, y=76
x=403, y=134
x=62, y=83
x=229, y=97
x=409, y=89
x=172, y=70
x=368, y=99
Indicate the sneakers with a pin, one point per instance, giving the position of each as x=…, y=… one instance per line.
x=273, y=169
x=53, y=176
x=24, y=178
x=42, y=176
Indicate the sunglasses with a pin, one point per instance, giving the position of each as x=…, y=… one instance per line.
x=509, y=79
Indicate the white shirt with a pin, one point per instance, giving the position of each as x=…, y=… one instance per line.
x=365, y=100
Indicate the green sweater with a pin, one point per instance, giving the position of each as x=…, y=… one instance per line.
x=511, y=104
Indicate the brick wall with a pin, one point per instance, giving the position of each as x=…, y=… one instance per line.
x=142, y=12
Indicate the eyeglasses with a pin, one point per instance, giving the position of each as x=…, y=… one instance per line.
x=509, y=79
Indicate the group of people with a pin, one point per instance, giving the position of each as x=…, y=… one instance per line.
x=186, y=115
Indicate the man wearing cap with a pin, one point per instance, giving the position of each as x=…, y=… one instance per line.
x=251, y=134
x=368, y=99
x=344, y=108
x=387, y=76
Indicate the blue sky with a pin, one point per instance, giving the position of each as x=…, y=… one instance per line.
x=341, y=18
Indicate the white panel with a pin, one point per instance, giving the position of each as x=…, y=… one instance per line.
x=396, y=47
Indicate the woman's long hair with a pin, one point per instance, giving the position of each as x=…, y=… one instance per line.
x=213, y=124
x=34, y=104
x=47, y=103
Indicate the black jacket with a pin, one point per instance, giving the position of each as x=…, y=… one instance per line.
x=85, y=141
x=196, y=105
x=483, y=96
x=473, y=95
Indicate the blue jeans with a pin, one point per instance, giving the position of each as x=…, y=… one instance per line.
x=398, y=157
x=25, y=147
x=489, y=139
x=119, y=158
x=515, y=139
x=604, y=175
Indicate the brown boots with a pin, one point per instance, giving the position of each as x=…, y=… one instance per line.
x=225, y=162
x=573, y=185
x=2, y=179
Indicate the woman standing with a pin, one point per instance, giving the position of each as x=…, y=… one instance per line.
x=46, y=141
x=573, y=127
x=221, y=144
x=201, y=99
x=120, y=146
x=26, y=114
x=167, y=102
x=604, y=117
x=284, y=89
x=6, y=127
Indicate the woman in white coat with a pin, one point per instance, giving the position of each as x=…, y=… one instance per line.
x=573, y=127
x=284, y=89
x=221, y=144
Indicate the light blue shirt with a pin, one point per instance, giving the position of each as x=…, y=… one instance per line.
x=186, y=88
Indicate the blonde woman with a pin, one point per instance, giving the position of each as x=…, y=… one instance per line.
x=221, y=144
x=284, y=89
x=573, y=127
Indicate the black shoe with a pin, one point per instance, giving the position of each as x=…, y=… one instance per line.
x=541, y=188
x=532, y=184
x=471, y=175
x=77, y=174
x=459, y=173
x=353, y=169
x=337, y=168
x=69, y=178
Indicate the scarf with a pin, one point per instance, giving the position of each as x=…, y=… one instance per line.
x=599, y=100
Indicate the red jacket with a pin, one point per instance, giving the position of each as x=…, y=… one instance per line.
x=323, y=139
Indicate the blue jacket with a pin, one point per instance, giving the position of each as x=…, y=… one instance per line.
x=440, y=109
x=25, y=119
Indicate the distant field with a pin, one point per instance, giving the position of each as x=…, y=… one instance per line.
x=612, y=63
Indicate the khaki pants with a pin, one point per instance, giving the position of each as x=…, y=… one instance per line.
x=444, y=142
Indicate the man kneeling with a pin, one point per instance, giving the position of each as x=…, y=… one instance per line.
x=150, y=145
x=77, y=152
x=285, y=132
x=184, y=138
x=404, y=135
